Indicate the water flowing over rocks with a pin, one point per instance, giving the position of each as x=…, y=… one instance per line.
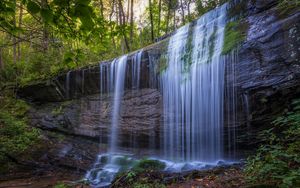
x=267, y=77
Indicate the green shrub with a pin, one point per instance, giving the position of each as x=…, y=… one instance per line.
x=15, y=135
x=277, y=163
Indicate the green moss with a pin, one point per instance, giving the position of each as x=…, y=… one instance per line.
x=235, y=33
x=58, y=136
x=148, y=165
x=61, y=185
x=285, y=7
x=60, y=108
x=211, y=43
x=187, y=56
x=162, y=64
x=15, y=134
x=57, y=111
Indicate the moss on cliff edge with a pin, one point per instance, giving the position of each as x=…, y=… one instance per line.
x=285, y=7
x=235, y=33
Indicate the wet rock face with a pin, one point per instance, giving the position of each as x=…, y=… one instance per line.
x=267, y=78
x=268, y=71
x=90, y=117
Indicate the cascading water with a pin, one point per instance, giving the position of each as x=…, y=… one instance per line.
x=106, y=166
x=120, y=67
x=135, y=85
x=231, y=103
x=136, y=70
x=193, y=91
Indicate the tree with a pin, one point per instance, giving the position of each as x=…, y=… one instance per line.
x=159, y=17
x=182, y=11
x=122, y=21
x=131, y=21
x=151, y=21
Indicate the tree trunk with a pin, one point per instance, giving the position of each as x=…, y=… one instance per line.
x=1, y=60
x=131, y=23
x=20, y=25
x=14, y=38
x=189, y=10
x=159, y=15
x=151, y=21
x=174, y=20
x=45, y=40
x=101, y=9
x=122, y=23
x=128, y=11
x=182, y=12
x=168, y=16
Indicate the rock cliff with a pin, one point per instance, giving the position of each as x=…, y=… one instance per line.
x=267, y=77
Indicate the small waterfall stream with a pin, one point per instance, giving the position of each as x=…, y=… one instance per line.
x=194, y=94
x=107, y=165
x=119, y=72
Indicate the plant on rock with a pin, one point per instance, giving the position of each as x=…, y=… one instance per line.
x=277, y=163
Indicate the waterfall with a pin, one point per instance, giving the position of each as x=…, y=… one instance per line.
x=118, y=69
x=193, y=91
x=135, y=85
x=231, y=103
x=136, y=69
x=195, y=96
x=106, y=166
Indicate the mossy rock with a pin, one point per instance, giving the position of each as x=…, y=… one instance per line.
x=287, y=7
x=162, y=64
x=148, y=165
x=235, y=33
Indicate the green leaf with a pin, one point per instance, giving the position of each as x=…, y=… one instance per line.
x=47, y=15
x=33, y=7
x=61, y=3
x=83, y=2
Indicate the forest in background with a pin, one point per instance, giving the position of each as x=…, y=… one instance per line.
x=41, y=38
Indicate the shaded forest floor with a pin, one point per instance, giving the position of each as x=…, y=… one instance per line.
x=232, y=177
x=49, y=179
